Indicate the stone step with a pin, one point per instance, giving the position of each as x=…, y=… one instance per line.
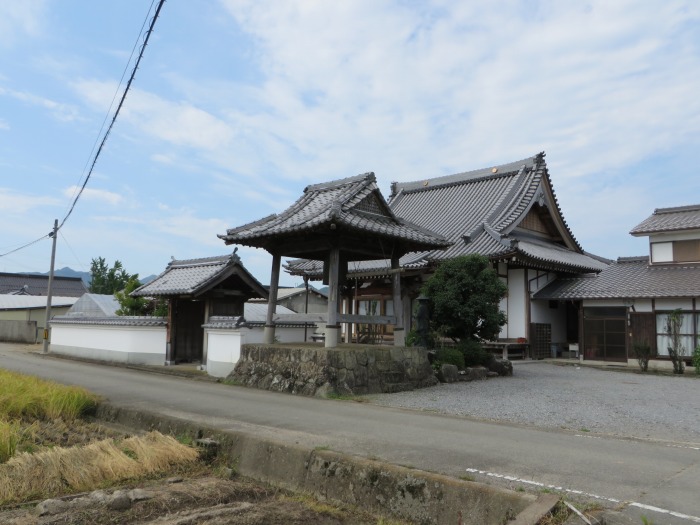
x=536, y=511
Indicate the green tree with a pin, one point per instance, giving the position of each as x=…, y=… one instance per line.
x=465, y=293
x=106, y=280
x=131, y=305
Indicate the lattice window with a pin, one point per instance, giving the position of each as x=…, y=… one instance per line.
x=370, y=204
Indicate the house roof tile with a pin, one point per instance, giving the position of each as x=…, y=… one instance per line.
x=669, y=219
x=36, y=284
x=628, y=277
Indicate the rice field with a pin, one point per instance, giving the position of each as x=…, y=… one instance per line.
x=37, y=416
x=26, y=399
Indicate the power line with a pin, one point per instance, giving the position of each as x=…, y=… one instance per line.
x=116, y=113
x=114, y=97
x=26, y=245
x=114, y=118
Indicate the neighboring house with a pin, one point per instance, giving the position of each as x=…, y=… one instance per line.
x=31, y=284
x=629, y=301
x=197, y=289
x=508, y=213
x=296, y=299
x=23, y=317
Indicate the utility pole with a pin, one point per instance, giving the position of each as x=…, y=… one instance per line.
x=47, y=331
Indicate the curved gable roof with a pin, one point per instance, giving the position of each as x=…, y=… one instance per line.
x=353, y=203
x=479, y=211
x=196, y=276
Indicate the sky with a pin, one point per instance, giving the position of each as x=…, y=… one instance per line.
x=239, y=105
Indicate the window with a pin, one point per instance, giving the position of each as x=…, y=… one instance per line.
x=675, y=251
x=689, y=331
x=686, y=251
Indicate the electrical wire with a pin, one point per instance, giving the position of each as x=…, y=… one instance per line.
x=47, y=236
x=80, y=264
x=116, y=113
x=109, y=129
x=114, y=97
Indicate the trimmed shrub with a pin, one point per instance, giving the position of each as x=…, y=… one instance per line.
x=474, y=354
x=642, y=351
x=696, y=360
x=450, y=356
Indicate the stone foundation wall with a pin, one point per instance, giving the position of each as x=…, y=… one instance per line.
x=313, y=370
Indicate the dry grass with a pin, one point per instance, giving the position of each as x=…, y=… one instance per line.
x=65, y=470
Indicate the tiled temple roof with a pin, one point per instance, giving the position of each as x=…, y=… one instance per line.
x=353, y=205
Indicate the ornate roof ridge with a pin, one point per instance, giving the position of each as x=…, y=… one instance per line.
x=478, y=175
x=633, y=259
x=676, y=209
x=203, y=261
x=322, y=186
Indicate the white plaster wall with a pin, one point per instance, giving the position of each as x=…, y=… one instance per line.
x=223, y=350
x=282, y=334
x=678, y=236
x=643, y=306
x=517, y=304
x=503, y=306
x=672, y=304
x=593, y=303
x=132, y=344
x=556, y=317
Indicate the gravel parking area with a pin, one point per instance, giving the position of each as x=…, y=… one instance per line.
x=582, y=399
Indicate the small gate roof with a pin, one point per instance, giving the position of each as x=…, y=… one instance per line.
x=194, y=277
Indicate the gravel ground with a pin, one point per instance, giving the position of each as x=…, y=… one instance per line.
x=576, y=398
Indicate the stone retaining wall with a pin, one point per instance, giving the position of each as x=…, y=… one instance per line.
x=314, y=370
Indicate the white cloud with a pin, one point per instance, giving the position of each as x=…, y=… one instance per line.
x=13, y=202
x=59, y=110
x=421, y=90
x=4, y=124
x=93, y=194
x=20, y=17
x=179, y=123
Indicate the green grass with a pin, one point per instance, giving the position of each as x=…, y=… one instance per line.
x=24, y=399
x=27, y=397
x=10, y=434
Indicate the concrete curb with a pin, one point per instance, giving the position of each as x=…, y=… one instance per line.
x=414, y=495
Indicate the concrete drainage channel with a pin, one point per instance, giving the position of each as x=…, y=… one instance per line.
x=403, y=493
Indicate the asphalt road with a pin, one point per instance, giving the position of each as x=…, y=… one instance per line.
x=658, y=479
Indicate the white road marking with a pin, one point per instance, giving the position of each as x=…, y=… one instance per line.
x=694, y=519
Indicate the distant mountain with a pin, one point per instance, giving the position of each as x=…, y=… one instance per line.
x=148, y=279
x=67, y=272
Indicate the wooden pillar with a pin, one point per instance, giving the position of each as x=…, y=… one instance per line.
x=399, y=334
x=332, y=327
x=170, y=332
x=272, y=301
